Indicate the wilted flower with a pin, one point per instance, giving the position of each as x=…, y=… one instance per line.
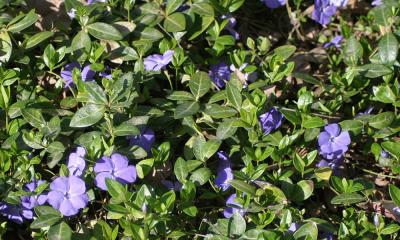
x=12, y=212
x=338, y=3
x=86, y=73
x=323, y=11
x=176, y=186
x=376, y=220
x=230, y=26
x=157, y=62
x=248, y=77
x=336, y=42
x=332, y=142
x=233, y=207
x=274, y=3
x=29, y=202
x=271, y=120
x=219, y=74
x=144, y=140
x=76, y=162
x=224, y=174
x=68, y=195
x=114, y=167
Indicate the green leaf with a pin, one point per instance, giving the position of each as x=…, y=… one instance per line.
x=199, y=26
x=234, y=96
x=203, y=149
x=383, y=15
x=226, y=129
x=34, y=117
x=180, y=170
x=60, y=232
x=180, y=96
x=354, y=126
x=38, y=38
x=390, y=229
x=347, y=198
x=45, y=221
x=81, y=44
x=384, y=94
x=203, y=9
x=388, y=49
x=381, y=120
x=186, y=109
x=201, y=176
x=151, y=34
x=298, y=192
x=28, y=20
x=243, y=186
x=217, y=111
x=126, y=129
x=313, y=122
x=284, y=52
x=236, y=225
x=352, y=51
x=5, y=47
x=104, y=31
x=374, y=70
x=144, y=167
x=393, y=148
x=394, y=194
x=96, y=93
x=46, y=210
x=200, y=84
x=308, y=231
x=87, y=116
x=116, y=190
x=173, y=5
x=175, y=22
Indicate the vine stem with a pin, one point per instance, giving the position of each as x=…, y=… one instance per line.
x=378, y=174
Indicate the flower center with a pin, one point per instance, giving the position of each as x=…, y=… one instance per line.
x=331, y=139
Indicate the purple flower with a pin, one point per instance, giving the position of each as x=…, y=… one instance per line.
x=333, y=143
x=230, y=26
x=233, y=207
x=338, y=3
x=72, y=13
x=176, y=186
x=107, y=73
x=68, y=195
x=114, y=167
x=376, y=220
x=366, y=112
x=384, y=154
x=376, y=3
x=156, y=62
x=224, y=172
x=274, y=3
x=145, y=140
x=333, y=164
x=219, y=74
x=293, y=227
x=334, y=42
x=323, y=11
x=271, y=120
x=86, y=73
x=29, y=202
x=12, y=212
x=93, y=1
x=76, y=162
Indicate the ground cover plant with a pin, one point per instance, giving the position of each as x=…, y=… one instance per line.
x=199, y=119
